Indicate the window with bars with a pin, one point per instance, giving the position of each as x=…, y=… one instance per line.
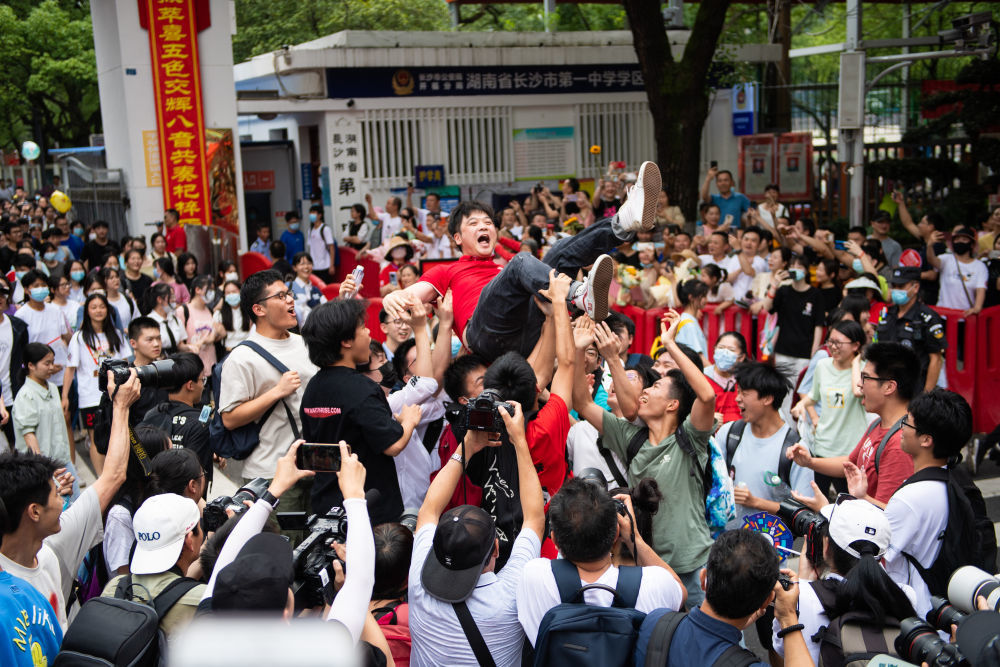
x=623, y=130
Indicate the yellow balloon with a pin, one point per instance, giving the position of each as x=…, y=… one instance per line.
x=60, y=201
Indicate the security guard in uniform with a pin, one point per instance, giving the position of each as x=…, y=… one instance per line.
x=913, y=324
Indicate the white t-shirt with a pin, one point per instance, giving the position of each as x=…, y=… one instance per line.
x=47, y=326
x=6, y=345
x=741, y=285
x=959, y=282
x=754, y=461
x=319, y=238
x=707, y=259
x=80, y=528
x=126, y=311
x=171, y=330
x=437, y=636
x=772, y=218
x=87, y=362
x=69, y=312
x=439, y=248
x=538, y=592
x=391, y=224
x=118, y=539
x=582, y=452
x=918, y=515
x=415, y=464
x=247, y=375
x=237, y=335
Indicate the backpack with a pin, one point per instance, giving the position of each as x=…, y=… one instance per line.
x=853, y=638
x=735, y=436
x=396, y=634
x=577, y=634
x=120, y=630
x=968, y=538
x=658, y=648
x=716, y=484
x=885, y=438
x=239, y=443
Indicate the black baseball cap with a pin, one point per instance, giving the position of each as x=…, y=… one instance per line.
x=904, y=274
x=259, y=578
x=463, y=542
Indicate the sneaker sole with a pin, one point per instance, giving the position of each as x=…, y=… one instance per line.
x=602, y=272
x=649, y=176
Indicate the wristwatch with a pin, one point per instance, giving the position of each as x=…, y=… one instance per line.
x=457, y=456
x=269, y=498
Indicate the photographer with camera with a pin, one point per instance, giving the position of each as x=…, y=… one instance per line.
x=938, y=516
x=854, y=599
x=586, y=523
x=340, y=403
x=185, y=425
x=888, y=382
x=679, y=415
x=42, y=544
x=454, y=590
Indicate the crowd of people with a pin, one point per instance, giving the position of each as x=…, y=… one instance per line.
x=511, y=479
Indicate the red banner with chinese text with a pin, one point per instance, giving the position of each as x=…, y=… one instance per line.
x=173, y=44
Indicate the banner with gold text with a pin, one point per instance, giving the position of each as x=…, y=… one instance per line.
x=173, y=44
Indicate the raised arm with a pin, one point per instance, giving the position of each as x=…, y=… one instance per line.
x=709, y=177
x=119, y=446
x=417, y=319
x=371, y=208
x=562, y=382
x=905, y=217
x=441, y=356
x=532, y=501
x=932, y=257
x=583, y=402
x=417, y=294
x=443, y=486
x=703, y=410
x=627, y=395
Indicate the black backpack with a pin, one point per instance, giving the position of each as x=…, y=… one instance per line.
x=968, y=538
x=577, y=634
x=735, y=436
x=658, y=648
x=239, y=443
x=853, y=638
x=635, y=444
x=120, y=630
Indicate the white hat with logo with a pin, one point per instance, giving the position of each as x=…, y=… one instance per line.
x=856, y=521
x=160, y=526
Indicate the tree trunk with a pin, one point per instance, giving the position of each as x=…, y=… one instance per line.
x=677, y=92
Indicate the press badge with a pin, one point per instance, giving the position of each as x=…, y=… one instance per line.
x=206, y=413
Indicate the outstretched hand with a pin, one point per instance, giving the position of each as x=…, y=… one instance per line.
x=583, y=332
x=668, y=327
x=558, y=288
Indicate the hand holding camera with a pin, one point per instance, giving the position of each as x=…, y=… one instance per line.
x=286, y=473
x=514, y=422
x=124, y=391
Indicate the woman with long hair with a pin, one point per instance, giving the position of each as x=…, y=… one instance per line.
x=692, y=295
x=163, y=272
x=135, y=281
x=127, y=310
x=187, y=268
x=161, y=305
x=196, y=317
x=96, y=341
x=76, y=272
x=229, y=315
x=720, y=292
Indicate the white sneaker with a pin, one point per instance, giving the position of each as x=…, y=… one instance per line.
x=594, y=297
x=639, y=210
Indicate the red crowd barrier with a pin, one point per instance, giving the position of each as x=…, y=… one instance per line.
x=374, y=307
x=960, y=359
x=986, y=408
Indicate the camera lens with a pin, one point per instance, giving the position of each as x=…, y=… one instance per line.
x=968, y=583
x=943, y=615
x=159, y=374
x=919, y=642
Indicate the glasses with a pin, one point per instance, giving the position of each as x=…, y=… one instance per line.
x=283, y=296
x=836, y=343
x=906, y=422
x=865, y=378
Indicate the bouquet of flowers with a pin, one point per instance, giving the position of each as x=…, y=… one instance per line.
x=628, y=277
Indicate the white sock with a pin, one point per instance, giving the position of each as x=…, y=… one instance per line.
x=578, y=297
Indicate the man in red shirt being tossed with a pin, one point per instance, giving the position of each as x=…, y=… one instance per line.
x=494, y=306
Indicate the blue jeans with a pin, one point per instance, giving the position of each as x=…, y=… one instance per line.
x=692, y=582
x=506, y=317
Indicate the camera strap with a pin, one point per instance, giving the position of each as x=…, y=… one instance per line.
x=140, y=452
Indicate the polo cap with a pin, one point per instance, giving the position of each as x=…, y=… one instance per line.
x=463, y=542
x=856, y=520
x=904, y=274
x=160, y=526
x=258, y=579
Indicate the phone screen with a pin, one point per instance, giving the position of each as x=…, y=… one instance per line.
x=393, y=278
x=318, y=457
x=840, y=245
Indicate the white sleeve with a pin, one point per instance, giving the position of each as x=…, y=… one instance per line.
x=80, y=528
x=251, y=524
x=351, y=604
x=118, y=539
x=657, y=590
x=536, y=594
x=73, y=351
x=980, y=275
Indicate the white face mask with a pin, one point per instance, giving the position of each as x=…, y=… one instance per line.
x=210, y=295
x=232, y=276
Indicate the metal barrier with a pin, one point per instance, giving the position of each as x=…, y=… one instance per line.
x=97, y=194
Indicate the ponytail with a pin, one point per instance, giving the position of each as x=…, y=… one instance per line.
x=867, y=587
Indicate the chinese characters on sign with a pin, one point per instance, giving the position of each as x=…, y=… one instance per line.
x=173, y=43
x=344, y=147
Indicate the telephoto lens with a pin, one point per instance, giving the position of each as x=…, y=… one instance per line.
x=968, y=583
x=943, y=615
x=919, y=642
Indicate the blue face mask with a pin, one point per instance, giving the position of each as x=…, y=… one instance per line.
x=49, y=257
x=233, y=299
x=77, y=275
x=725, y=359
x=293, y=226
x=39, y=293
x=19, y=274
x=78, y=231
x=313, y=217
x=156, y=272
x=900, y=296
x=798, y=274
x=858, y=266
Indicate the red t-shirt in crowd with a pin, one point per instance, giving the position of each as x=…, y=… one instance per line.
x=384, y=275
x=467, y=277
x=546, y=435
x=176, y=239
x=894, y=466
x=725, y=402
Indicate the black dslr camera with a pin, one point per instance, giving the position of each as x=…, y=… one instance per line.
x=313, y=558
x=803, y=522
x=158, y=375
x=215, y=511
x=918, y=642
x=483, y=412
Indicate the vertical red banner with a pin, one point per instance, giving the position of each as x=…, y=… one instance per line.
x=173, y=44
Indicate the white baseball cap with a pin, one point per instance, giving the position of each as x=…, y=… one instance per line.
x=160, y=526
x=856, y=520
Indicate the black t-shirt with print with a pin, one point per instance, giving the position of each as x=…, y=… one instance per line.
x=799, y=313
x=342, y=404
